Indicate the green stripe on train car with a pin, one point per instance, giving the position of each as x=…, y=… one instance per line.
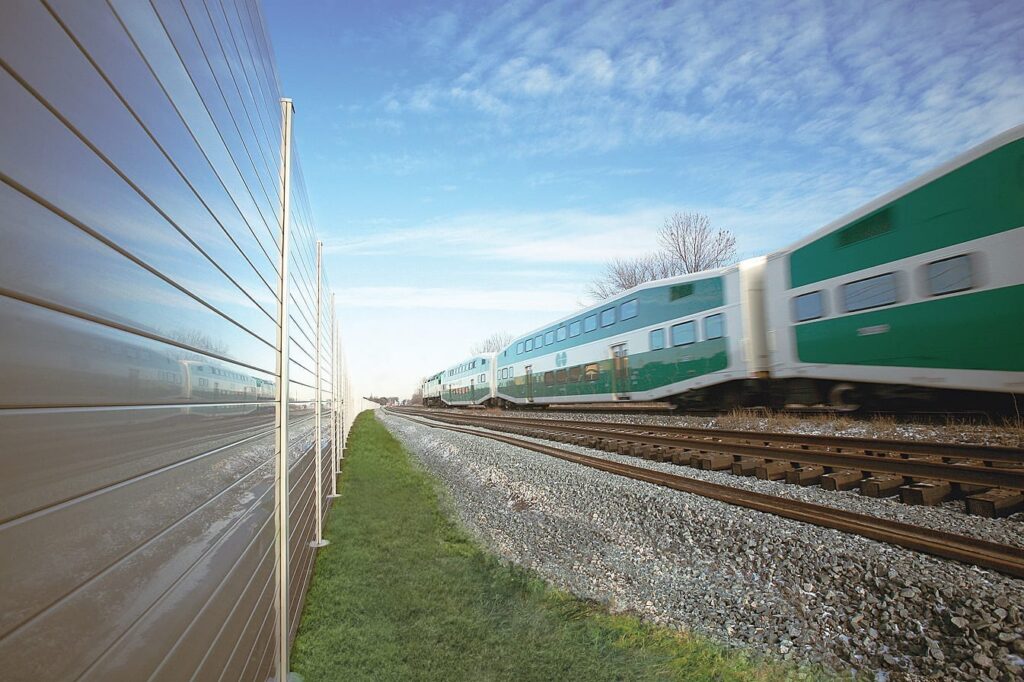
x=647, y=371
x=984, y=330
x=983, y=197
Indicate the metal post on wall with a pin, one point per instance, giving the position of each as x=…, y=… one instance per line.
x=334, y=403
x=339, y=426
x=318, y=420
x=281, y=507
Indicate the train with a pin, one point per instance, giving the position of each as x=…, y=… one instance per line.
x=915, y=297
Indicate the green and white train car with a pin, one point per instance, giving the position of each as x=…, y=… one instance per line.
x=683, y=335
x=921, y=289
x=470, y=382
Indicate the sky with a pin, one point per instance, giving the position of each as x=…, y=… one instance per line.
x=472, y=165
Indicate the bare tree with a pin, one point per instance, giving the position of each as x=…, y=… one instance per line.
x=688, y=244
x=690, y=241
x=496, y=342
x=625, y=273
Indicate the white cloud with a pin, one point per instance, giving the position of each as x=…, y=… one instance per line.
x=536, y=237
x=601, y=76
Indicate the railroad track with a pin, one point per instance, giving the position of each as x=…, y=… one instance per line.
x=1003, y=558
x=990, y=478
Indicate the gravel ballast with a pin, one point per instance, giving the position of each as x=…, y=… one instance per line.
x=781, y=587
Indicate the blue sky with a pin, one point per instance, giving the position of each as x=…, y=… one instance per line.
x=472, y=164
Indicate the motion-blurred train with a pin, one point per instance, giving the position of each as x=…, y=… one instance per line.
x=917, y=295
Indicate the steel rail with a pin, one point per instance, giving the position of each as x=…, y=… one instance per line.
x=912, y=468
x=1002, y=558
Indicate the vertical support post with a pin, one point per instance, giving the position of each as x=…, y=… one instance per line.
x=319, y=541
x=281, y=507
x=338, y=425
x=334, y=406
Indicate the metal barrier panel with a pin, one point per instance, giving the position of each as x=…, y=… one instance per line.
x=140, y=243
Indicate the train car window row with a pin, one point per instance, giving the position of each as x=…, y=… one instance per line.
x=626, y=311
x=944, y=276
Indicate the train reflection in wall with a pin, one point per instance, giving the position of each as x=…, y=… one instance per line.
x=916, y=297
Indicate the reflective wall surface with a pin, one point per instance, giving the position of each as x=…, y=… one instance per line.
x=139, y=268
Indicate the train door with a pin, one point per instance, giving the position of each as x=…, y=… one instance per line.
x=529, y=383
x=472, y=391
x=620, y=371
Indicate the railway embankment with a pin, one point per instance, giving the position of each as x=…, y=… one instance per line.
x=405, y=592
x=772, y=585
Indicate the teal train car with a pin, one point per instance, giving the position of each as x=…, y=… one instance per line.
x=468, y=383
x=920, y=291
x=684, y=336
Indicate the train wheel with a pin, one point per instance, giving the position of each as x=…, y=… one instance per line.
x=843, y=397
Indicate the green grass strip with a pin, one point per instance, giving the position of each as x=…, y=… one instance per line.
x=402, y=593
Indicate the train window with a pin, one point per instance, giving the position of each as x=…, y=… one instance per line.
x=809, y=306
x=680, y=291
x=628, y=310
x=519, y=348
x=549, y=378
x=529, y=345
x=714, y=327
x=561, y=334
x=607, y=317
x=575, y=373
x=538, y=341
x=549, y=337
x=575, y=328
x=870, y=293
x=590, y=323
x=483, y=378
x=591, y=372
x=560, y=376
x=657, y=337
x=684, y=334
x=949, y=275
